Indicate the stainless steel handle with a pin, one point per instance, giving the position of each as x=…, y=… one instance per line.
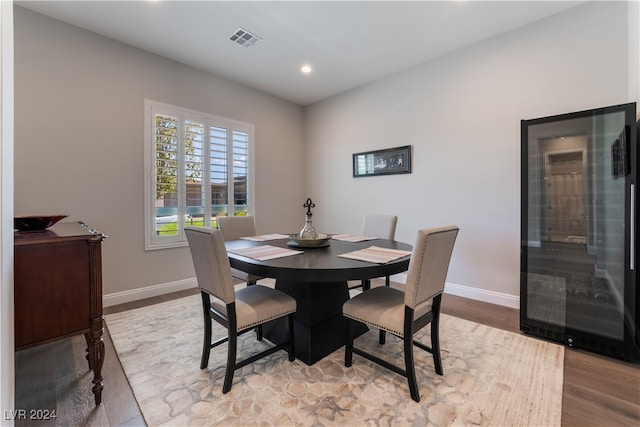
x=632, y=228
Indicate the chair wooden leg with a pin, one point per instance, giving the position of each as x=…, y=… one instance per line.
x=435, y=347
x=435, y=344
x=410, y=368
x=231, y=360
x=387, y=281
x=206, y=342
x=292, y=347
x=259, y=327
x=383, y=337
x=366, y=285
x=348, y=346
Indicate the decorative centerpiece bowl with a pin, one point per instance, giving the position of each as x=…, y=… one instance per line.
x=36, y=223
x=321, y=241
x=308, y=238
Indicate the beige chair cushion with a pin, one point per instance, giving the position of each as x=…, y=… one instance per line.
x=211, y=262
x=429, y=264
x=243, y=276
x=258, y=304
x=382, y=226
x=383, y=308
x=235, y=227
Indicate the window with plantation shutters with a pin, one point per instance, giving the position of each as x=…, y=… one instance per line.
x=198, y=167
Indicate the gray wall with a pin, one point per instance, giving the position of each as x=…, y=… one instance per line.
x=79, y=138
x=79, y=124
x=461, y=113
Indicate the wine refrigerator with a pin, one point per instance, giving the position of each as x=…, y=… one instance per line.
x=579, y=230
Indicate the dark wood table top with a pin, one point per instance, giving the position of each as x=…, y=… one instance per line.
x=318, y=264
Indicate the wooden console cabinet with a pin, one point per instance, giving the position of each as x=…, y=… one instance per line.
x=58, y=290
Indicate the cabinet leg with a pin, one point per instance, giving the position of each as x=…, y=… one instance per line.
x=87, y=338
x=96, y=360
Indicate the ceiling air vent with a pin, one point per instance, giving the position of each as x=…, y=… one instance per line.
x=244, y=37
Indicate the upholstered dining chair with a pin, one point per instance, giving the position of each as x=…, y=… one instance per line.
x=233, y=228
x=382, y=226
x=405, y=313
x=237, y=310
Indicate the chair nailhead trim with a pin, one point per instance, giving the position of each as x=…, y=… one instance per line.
x=250, y=325
x=400, y=334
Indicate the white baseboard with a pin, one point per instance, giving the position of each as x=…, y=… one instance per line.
x=499, y=298
x=492, y=297
x=148, y=292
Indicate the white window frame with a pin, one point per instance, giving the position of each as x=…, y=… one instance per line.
x=154, y=241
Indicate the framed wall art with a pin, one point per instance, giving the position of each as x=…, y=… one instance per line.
x=620, y=154
x=382, y=162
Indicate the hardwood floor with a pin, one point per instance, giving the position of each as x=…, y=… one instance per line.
x=598, y=391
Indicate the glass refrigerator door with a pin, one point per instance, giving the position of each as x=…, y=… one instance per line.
x=576, y=235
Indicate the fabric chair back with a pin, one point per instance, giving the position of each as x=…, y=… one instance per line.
x=429, y=264
x=235, y=227
x=211, y=262
x=382, y=226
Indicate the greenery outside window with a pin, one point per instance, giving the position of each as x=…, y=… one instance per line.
x=198, y=167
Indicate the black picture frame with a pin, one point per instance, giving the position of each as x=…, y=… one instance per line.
x=389, y=161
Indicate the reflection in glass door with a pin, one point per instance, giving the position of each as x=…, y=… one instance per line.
x=575, y=243
x=565, y=194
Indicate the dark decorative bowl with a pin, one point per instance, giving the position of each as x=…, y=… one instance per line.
x=36, y=223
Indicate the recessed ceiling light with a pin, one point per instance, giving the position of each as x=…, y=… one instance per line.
x=306, y=69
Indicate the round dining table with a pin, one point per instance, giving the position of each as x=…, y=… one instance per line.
x=318, y=280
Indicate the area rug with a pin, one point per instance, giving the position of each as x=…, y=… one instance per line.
x=491, y=377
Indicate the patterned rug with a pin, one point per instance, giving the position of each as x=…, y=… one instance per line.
x=491, y=377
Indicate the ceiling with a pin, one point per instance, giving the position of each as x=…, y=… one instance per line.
x=346, y=43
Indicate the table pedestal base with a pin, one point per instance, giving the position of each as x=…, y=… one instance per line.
x=319, y=327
